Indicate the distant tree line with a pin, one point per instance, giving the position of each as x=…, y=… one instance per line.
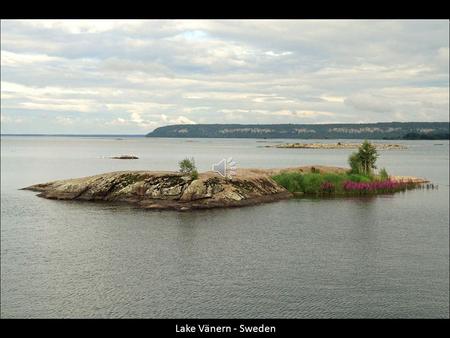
x=423, y=136
x=385, y=130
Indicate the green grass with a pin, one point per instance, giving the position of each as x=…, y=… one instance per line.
x=293, y=182
x=310, y=183
x=359, y=178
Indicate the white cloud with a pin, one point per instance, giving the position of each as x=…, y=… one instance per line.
x=271, y=53
x=118, y=122
x=302, y=113
x=16, y=59
x=82, y=26
x=177, y=120
x=330, y=98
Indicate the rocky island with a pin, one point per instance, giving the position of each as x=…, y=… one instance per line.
x=173, y=190
x=338, y=145
x=124, y=157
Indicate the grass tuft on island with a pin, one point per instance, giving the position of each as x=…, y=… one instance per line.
x=320, y=184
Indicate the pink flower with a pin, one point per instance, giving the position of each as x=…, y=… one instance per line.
x=377, y=186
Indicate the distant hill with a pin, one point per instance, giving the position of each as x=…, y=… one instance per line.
x=382, y=130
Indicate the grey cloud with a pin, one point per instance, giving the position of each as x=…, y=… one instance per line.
x=371, y=103
x=135, y=76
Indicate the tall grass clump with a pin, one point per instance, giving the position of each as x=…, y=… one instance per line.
x=293, y=182
x=358, y=178
x=312, y=183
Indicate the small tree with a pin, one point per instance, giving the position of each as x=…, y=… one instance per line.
x=363, y=161
x=187, y=167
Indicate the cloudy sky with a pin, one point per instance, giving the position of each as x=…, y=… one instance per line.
x=116, y=76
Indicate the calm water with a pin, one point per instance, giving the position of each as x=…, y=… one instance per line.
x=386, y=256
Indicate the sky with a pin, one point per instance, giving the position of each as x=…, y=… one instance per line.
x=132, y=76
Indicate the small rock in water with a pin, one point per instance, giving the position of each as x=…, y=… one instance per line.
x=125, y=157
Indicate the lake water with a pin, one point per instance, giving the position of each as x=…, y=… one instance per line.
x=386, y=256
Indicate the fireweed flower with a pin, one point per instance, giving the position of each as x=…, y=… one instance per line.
x=374, y=187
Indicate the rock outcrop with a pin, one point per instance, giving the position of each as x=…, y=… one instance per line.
x=167, y=190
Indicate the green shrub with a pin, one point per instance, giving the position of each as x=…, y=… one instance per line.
x=355, y=164
x=194, y=174
x=187, y=167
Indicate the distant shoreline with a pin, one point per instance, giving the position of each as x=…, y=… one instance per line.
x=369, y=131
x=205, y=137
x=332, y=131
